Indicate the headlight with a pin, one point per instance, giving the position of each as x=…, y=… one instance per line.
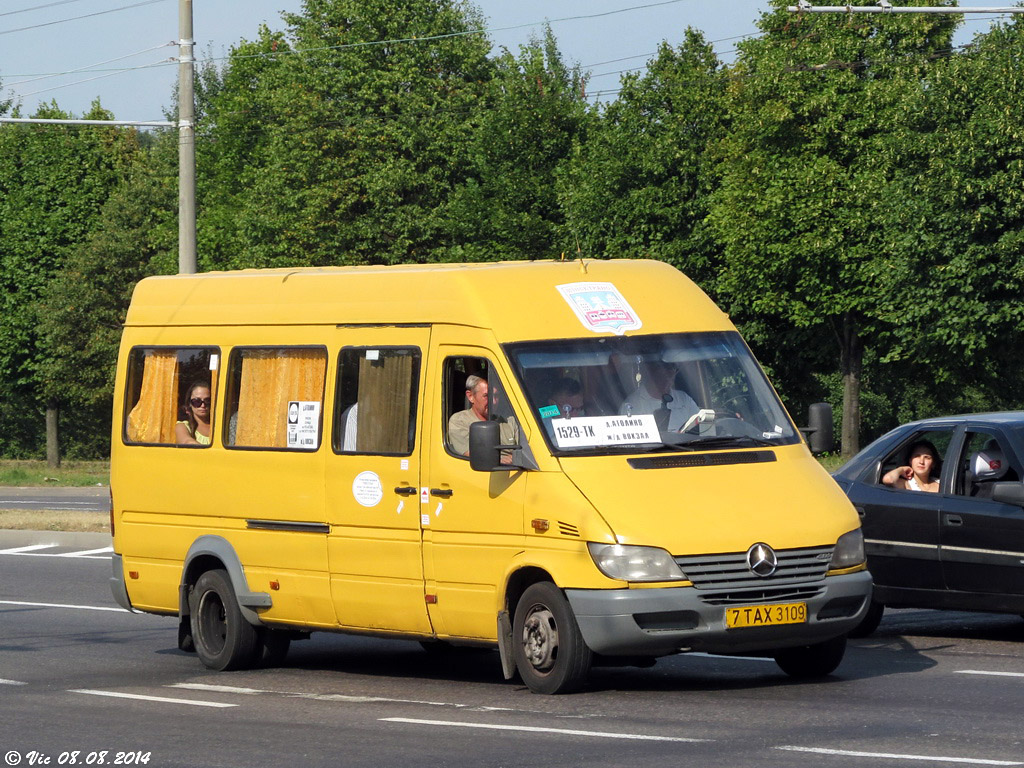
x=849, y=551
x=617, y=561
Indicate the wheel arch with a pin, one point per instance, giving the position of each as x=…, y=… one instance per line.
x=211, y=553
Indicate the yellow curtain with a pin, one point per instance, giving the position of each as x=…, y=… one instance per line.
x=270, y=379
x=385, y=385
x=154, y=415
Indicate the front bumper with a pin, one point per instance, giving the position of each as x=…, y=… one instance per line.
x=661, y=621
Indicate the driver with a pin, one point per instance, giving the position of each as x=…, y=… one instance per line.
x=656, y=388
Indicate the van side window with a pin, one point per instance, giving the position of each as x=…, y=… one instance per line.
x=158, y=382
x=375, y=406
x=275, y=398
x=473, y=392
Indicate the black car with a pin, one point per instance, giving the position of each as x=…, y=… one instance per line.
x=960, y=548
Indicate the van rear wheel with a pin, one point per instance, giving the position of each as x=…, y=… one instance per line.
x=816, y=660
x=549, y=650
x=223, y=638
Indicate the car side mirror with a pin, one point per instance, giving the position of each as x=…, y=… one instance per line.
x=1008, y=493
x=819, y=428
x=484, y=439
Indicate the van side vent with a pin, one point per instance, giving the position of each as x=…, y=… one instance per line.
x=702, y=460
x=568, y=530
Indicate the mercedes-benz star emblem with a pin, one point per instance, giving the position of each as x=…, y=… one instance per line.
x=761, y=559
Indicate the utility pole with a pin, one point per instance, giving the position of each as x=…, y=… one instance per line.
x=186, y=142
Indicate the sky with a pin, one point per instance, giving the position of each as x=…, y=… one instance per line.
x=87, y=39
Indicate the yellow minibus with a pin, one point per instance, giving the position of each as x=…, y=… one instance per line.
x=574, y=462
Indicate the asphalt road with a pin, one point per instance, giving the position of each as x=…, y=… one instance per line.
x=79, y=674
x=88, y=499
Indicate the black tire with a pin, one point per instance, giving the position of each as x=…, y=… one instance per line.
x=549, y=650
x=273, y=646
x=817, y=660
x=223, y=638
x=870, y=621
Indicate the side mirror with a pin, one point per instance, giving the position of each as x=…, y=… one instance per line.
x=485, y=446
x=819, y=428
x=1008, y=493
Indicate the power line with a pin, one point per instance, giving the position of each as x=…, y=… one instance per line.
x=38, y=7
x=88, y=67
x=88, y=79
x=77, y=18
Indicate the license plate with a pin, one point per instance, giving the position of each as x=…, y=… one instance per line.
x=765, y=615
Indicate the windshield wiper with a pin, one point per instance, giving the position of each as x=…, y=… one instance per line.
x=726, y=441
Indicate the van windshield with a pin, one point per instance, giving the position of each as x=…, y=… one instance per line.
x=665, y=392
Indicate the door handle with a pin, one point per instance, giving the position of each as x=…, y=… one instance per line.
x=860, y=512
x=444, y=493
x=954, y=520
x=406, y=490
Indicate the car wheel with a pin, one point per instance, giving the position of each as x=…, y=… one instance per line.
x=816, y=660
x=223, y=638
x=550, y=653
x=870, y=621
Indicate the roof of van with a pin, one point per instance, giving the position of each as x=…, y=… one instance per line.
x=519, y=300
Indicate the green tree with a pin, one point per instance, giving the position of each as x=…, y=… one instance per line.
x=523, y=128
x=85, y=304
x=640, y=183
x=811, y=174
x=53, y=182
x=343, y=142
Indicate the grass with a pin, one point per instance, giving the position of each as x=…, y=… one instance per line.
x=76, y=522
x=17, y=472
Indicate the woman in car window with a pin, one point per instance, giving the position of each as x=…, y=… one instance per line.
x=923, y=472
x=195, y=428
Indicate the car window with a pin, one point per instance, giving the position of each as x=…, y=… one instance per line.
x=984, y=460
x=900, y=456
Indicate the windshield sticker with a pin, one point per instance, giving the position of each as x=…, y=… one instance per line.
x=600, y=307
x=303, y=424
x=549, y=412
x=599, y=431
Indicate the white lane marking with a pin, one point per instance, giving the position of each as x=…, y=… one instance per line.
x=741, y=658
x=60, y=605
x=58, y=554
x=87, y=552
x=983, y=672
x=534, y=729
x=891, y=756
x=159, y=699
x=29, y=548
x=333, y=697
x=11, y=682
x=217, y=688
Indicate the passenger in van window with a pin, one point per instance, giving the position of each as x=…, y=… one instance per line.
x=194, y=429
x=922, y=472
x=458, y=425
x=567, y=396
x=656, y=388
x=478, y=395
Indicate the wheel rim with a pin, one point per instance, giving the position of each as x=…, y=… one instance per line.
x=540, y=638
x=213, y=624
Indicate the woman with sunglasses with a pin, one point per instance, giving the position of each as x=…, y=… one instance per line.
x=195, y=428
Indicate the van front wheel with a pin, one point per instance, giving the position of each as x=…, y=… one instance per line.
x=815, y=660
x=550, y=653
x=223, y=638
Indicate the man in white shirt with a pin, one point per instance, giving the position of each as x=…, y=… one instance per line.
x=657, y=379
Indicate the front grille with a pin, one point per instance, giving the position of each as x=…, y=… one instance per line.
x=748, y=596
x=729, y=572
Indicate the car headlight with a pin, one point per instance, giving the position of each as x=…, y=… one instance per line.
x=849, y=551
x=617, y=561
